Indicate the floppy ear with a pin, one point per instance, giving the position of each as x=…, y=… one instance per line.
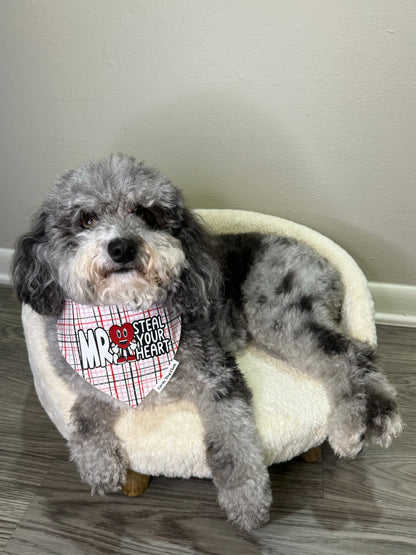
x=32, y=278
x=201, y=279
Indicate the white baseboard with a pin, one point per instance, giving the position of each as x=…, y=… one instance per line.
x=5, y=259
x=395, y=304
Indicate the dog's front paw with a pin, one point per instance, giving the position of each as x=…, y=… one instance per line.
x=103, y=468
x=246, y=505
x=111, y=475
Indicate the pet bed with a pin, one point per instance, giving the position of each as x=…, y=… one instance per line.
x=291, y=409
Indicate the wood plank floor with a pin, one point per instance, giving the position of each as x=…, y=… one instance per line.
x=366, y=506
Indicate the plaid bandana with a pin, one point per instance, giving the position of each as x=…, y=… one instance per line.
x=122, y=352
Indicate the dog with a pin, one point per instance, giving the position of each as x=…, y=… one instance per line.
x=115, y=232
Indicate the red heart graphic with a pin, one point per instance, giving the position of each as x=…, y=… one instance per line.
x=122, y=336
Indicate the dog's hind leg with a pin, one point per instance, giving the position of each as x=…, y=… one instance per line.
x=94, y=447
x=383, y=420
x=292, y=304
x=363, y=400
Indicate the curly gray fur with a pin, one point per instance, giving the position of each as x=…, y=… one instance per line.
x=118, y=232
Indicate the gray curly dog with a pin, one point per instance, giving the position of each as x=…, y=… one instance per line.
x=115, y=232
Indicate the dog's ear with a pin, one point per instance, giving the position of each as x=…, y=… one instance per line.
x=201, y=279
x=32, y=278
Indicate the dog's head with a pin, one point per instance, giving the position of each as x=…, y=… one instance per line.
x=115, y=232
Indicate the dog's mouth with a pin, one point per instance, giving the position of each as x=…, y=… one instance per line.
x=122, y=270
x=119, y=271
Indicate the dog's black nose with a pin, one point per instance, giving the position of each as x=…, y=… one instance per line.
x=122, y=250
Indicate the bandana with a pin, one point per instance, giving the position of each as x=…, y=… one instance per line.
x=122, y=352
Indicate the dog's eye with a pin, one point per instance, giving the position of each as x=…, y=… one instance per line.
x=88, y=220
x=147, y=215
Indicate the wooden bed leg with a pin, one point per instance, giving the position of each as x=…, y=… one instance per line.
x=314, y=455
x=136, y=483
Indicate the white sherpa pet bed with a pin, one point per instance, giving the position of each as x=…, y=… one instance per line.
x=291, y=409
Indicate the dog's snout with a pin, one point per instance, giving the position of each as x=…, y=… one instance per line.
x=122, y=250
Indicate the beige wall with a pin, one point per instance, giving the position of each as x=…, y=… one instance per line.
x=302, y=109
